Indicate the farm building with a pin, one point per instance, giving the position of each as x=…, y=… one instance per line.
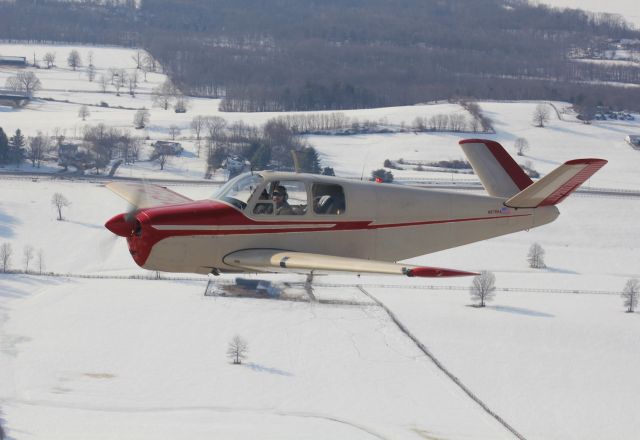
x=13, y=61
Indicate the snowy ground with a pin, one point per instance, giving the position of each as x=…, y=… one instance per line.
x=110, y=358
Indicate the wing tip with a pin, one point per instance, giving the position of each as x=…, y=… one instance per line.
x=588, y=161
x=437, y=272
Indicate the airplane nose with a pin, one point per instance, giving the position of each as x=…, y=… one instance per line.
x=120, y=226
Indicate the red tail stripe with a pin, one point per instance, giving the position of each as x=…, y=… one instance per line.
x=572, y=184
x=510, y=166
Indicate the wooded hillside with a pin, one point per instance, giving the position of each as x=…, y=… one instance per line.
x=337, y=54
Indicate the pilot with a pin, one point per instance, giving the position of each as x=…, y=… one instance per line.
x=279, y=197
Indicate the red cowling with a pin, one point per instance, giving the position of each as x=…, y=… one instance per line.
x=120, y=226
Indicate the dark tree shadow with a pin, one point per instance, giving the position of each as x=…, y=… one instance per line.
x=87, y=225
x=7, y=222
x=188, y=154
x=262, y=369
x=520, y=311
x=558, y=270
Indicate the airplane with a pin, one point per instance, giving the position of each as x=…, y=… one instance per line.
x=306, y=223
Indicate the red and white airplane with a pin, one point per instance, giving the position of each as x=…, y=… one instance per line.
x=307, y=223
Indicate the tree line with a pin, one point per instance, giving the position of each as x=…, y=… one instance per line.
x=273, y=145
x=100, y=144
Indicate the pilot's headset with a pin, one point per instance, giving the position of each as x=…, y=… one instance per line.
x=282, y=190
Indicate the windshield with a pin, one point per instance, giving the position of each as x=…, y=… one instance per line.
x=238, y=190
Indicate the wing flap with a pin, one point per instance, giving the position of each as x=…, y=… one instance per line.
x=273, y=260
x=144, y=195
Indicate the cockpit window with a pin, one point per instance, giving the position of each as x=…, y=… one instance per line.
x=238, y=190
x=284, y=197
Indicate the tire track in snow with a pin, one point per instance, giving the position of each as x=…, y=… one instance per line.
x=439, y=364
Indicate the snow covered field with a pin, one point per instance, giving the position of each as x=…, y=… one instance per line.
x=141, y=359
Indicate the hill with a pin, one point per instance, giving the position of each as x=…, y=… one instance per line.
x=88, y=352
x=311, y=55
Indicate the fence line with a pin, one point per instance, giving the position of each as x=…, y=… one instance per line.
x=225, y=281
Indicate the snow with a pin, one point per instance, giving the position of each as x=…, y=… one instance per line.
x=124, y=358
x=628, y=9
x=347, y=368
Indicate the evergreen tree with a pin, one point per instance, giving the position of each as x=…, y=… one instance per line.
x=4, y=147
x=309, y=161
x=16, y=147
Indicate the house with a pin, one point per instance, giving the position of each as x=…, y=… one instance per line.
x=72, y=155
x=13, y=61
x=235, y=164
x=168, y=148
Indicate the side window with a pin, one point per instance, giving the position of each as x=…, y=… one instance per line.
x=264, y=205
x=328, y=199
x=285, y=197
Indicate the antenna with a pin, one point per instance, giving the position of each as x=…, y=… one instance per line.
x=364, y=163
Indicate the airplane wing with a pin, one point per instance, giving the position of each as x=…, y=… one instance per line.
x=274, y=260
x=145, y=195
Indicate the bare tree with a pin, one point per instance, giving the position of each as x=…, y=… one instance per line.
x=112, y=72
x=5, y=256
x=630, y=294
x=535, y=257
x=59, y=201
x=164, y=94
x=38, y=145
x=119, y=79
x=132, y=82
x=91, y=72
x=541, y=115
x=197, y=124
x=215, y=125
x=73, y=60
x=138, y=58
x=521, y=145
x=162, y=154
x=50, y=59
x=83, y=112
x=103, y=81
x=174, y=131
x=182, y=104
x=237, y=350
x=26, y=82
x=40, y=261
x=27, y=256
x=141, y=118
x=129, y=148
x=149, y=64
x=145, y=69
x=483, y=287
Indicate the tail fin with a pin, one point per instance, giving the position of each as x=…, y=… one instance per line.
x=557, y=185
x=498, y=172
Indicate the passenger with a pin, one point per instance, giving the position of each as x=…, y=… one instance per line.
x=279, y=197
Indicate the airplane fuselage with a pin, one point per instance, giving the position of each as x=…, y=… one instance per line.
x=382, y=222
